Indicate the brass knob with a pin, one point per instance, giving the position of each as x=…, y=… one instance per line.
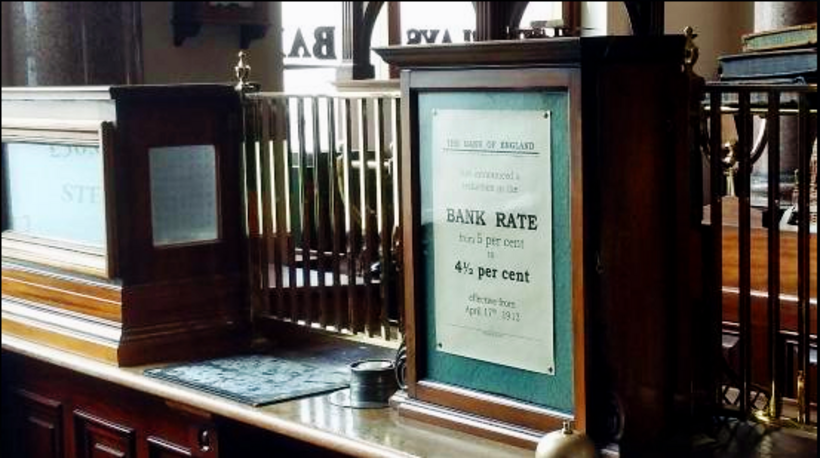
x=204, y=439
x=565, y=443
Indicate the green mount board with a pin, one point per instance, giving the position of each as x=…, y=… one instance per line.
x=551, y=391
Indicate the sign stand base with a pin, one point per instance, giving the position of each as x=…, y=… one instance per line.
x=465, y=422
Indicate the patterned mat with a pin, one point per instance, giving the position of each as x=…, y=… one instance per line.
x=256, y=379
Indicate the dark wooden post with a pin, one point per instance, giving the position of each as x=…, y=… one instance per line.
x=492, y=19
x=646, y=18
x=360, y=17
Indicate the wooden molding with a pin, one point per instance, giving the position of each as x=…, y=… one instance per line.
x=124, y=325
x=61, y=330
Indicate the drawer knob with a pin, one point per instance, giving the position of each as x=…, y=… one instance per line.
x=204, y=439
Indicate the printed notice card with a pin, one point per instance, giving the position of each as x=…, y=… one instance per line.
x=492, y=204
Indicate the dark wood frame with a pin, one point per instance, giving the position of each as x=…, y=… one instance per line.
x=526, y=422
x=57, y=253
x=217, y=192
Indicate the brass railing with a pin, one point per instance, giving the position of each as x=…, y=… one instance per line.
x=323, y=208
x=763, y=276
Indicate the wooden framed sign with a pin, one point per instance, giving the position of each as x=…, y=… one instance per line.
x=539, y=262
x=496, y=252
x=492, y=208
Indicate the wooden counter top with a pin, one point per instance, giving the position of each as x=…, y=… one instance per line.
x=314, y=420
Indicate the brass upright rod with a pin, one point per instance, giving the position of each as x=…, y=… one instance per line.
x=716, y=229
x=744, y=173
x=803, y=258
x=773, y=133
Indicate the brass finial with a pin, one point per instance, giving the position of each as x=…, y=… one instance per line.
x=801, y=398
x=691, y=51
x=774, y=402
x=565, y=443
x=730, y=166
x=242, y=71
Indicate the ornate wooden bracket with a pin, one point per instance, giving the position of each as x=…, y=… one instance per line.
x=252, y=19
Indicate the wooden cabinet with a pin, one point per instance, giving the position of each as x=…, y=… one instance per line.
x=54, y=412
x=99, y=438
x=131, y=253
x=37, y=424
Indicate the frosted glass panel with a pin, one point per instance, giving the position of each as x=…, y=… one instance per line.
x=183, y=194
x=55, y=192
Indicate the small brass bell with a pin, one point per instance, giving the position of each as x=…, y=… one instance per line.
x=565, y=443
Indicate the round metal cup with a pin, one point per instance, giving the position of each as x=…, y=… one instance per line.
x=372, y=382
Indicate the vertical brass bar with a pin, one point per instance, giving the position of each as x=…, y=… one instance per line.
x=278, y=109
x=305, y=199
x=321, y=213
x=744, y=172
x=265, y=152
x=365, y=197
x=351, y=224
x=773, y=141
x=336, y=209
x=716, y=222
x=290, y=205
x=384, y=217
x=397, y=142
x=274, y=295
x=250, y=197
x=257, y=305
x=813, y=121
x=804, y=141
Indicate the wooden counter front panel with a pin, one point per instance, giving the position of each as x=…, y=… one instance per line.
x=54, y=412
x=97, y=437
x=37, y=423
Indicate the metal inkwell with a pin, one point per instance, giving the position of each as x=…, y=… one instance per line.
x=372, y=382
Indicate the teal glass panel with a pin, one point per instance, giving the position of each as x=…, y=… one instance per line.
x=55, y=192
x=554, y=391
x=183, y=194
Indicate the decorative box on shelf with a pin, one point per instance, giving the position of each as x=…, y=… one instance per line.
x=122, y=220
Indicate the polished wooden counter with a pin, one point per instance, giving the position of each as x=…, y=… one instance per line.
x=312, y=420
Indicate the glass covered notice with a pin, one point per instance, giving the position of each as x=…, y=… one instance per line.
x=54, y=192
x=183, y=194
x=492, y=236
